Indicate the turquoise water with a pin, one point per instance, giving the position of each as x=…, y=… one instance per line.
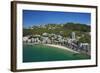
x=37, y=53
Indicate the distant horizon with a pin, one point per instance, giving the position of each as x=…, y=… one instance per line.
x=36, y=18
x=54, y=23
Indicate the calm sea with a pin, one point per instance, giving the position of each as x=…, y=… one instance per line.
x=37, y=53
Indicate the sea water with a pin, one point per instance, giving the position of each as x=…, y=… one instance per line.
x=39, y=52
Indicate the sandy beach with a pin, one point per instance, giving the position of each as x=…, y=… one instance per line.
x=57, y=46
x=62, y=47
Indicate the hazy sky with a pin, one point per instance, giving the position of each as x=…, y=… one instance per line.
x=32, y=17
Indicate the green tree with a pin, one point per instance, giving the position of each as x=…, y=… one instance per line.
x=85, y=39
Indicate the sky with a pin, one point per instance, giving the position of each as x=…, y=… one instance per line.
x=33, y=17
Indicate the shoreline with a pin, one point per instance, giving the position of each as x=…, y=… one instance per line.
x=56, y=46
x=61, y=47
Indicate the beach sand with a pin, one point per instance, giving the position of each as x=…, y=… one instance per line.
x=61, y=47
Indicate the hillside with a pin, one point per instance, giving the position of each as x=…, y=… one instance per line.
x=62, y=29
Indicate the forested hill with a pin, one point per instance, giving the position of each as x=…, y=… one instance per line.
x=62, y=29
x=77, y=27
